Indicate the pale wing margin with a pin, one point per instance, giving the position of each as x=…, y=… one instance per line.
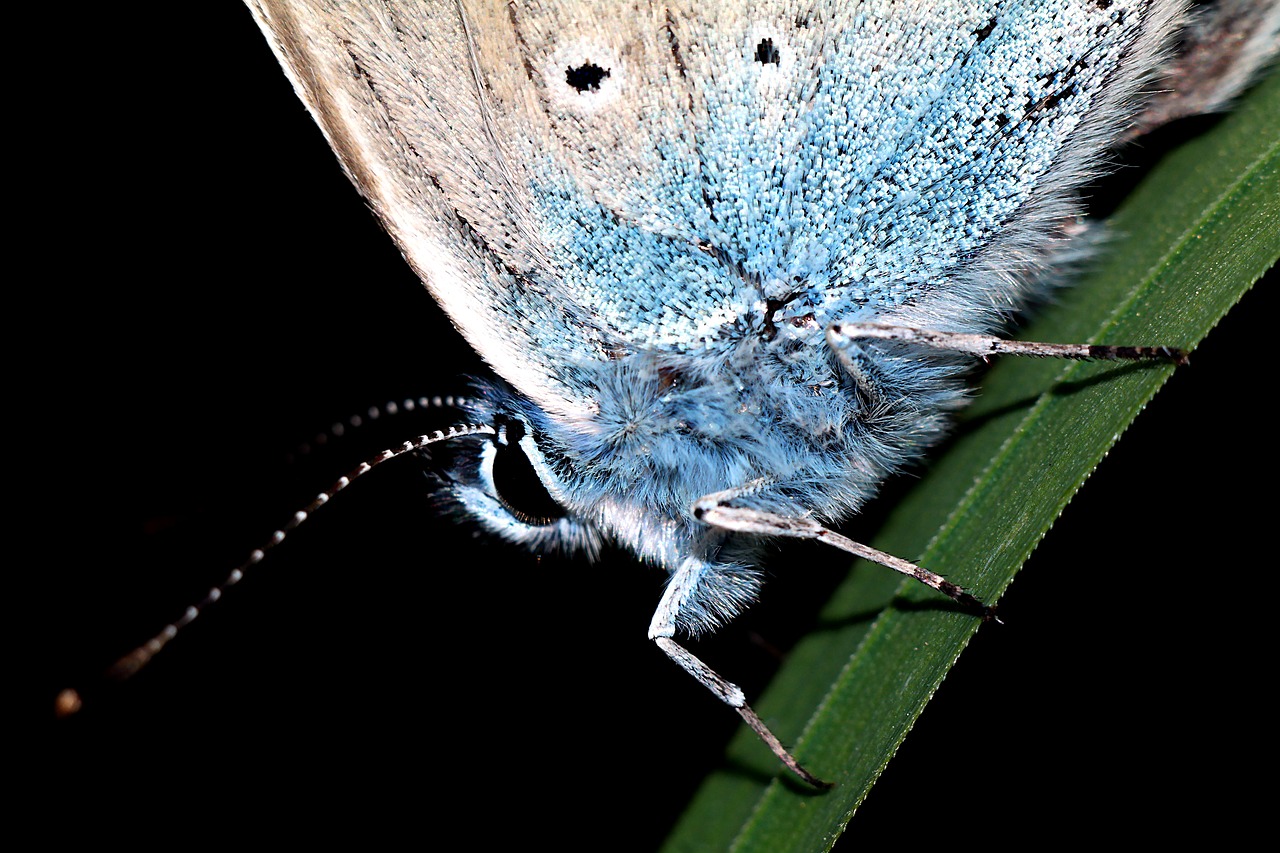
x=397, y=90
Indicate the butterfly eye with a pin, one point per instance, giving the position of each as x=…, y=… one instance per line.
x=515, y=482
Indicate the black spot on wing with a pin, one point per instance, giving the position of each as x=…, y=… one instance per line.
x=767, y=53
x=586, y=77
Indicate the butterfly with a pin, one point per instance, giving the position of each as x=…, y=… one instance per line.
x=633, y=401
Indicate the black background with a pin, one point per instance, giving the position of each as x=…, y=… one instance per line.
x=214, y=292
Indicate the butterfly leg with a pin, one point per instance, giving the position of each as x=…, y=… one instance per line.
x=867, y=377
x=662, y=631
x=715, y=510
x=841, y=335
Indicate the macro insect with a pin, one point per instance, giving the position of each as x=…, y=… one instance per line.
x=691, y=432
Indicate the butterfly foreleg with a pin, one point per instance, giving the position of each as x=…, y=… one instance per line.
x=662, y=631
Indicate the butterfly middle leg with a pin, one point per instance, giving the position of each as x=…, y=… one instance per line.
x=718, y=511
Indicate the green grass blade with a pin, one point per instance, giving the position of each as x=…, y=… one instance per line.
x=1195, y=235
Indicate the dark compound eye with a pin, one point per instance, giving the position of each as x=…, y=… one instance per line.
x=586, y=77
x=517, y=485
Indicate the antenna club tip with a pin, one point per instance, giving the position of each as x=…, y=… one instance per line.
x=67, y=703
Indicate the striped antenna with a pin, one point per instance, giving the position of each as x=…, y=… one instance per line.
x=69, y=700
x=340, y=429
